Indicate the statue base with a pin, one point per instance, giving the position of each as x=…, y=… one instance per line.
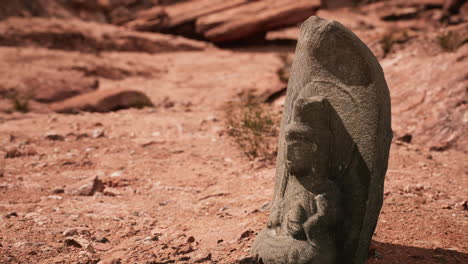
x=272, y=248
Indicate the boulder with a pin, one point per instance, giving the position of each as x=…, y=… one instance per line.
x=105, y=100
x=223, y=21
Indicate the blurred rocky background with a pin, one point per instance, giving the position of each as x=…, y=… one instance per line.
x=145, y=130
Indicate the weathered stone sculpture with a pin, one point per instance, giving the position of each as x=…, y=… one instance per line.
x=332, y=152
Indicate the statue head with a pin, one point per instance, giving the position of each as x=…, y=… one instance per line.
x=308, y=139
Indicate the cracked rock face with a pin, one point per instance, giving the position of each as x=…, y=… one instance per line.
x=332, y=152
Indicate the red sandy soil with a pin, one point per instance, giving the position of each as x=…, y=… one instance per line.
x=177, y=187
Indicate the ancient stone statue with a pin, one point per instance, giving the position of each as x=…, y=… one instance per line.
x=332, y=152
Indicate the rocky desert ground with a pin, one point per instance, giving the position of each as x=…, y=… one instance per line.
x=123, y=136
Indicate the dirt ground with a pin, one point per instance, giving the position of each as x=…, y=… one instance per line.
x=177, y=188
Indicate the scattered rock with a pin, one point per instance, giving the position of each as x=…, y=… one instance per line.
x=37, y=218
x=149, y=142
x=102, y=247
x=440, y=147
x=86, y=187
x=405, y=138
x=463, y=205
x=79, y=243
x=116, y=174
x=16, y=152
x=54, y=136
x=109, y=191
x=184, y=249
x=97, y=133
x=47, y=249
x=447, y=206
x=246, y=234
x=191, y=239
x=81, y=136
x=414, y=188
x=27, y=244
x=202, y=256
x=10, y=215
x=12, y=153
x=70, y=232
x=151, y=238
x=105, y=100
x=5, y=185
x=157, y=232
x=55, y=197
x=102, y=240
x=265, y=206
x=167, y=103
x=58, y=190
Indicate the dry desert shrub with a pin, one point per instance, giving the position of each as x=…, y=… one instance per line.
x=451, y=41
x=253, y=125
x=19, y=99
x=386, y=43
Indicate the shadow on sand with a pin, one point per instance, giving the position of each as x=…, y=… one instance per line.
x=384, y=253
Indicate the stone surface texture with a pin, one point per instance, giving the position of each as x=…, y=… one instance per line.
x=332, y=151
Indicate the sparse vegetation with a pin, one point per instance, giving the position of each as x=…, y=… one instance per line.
x=451, y=41
x=19, y=100
x=387, y=44
x=392, y=37
x=253, y=125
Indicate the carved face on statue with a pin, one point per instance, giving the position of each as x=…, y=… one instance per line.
x=305, y=149
x=308, y=139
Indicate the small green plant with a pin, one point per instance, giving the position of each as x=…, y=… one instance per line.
x=253, y=125
x=19, y=100
x=451, y=41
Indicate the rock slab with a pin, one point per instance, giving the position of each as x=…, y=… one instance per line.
x=105, y=100
x=222, y=21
